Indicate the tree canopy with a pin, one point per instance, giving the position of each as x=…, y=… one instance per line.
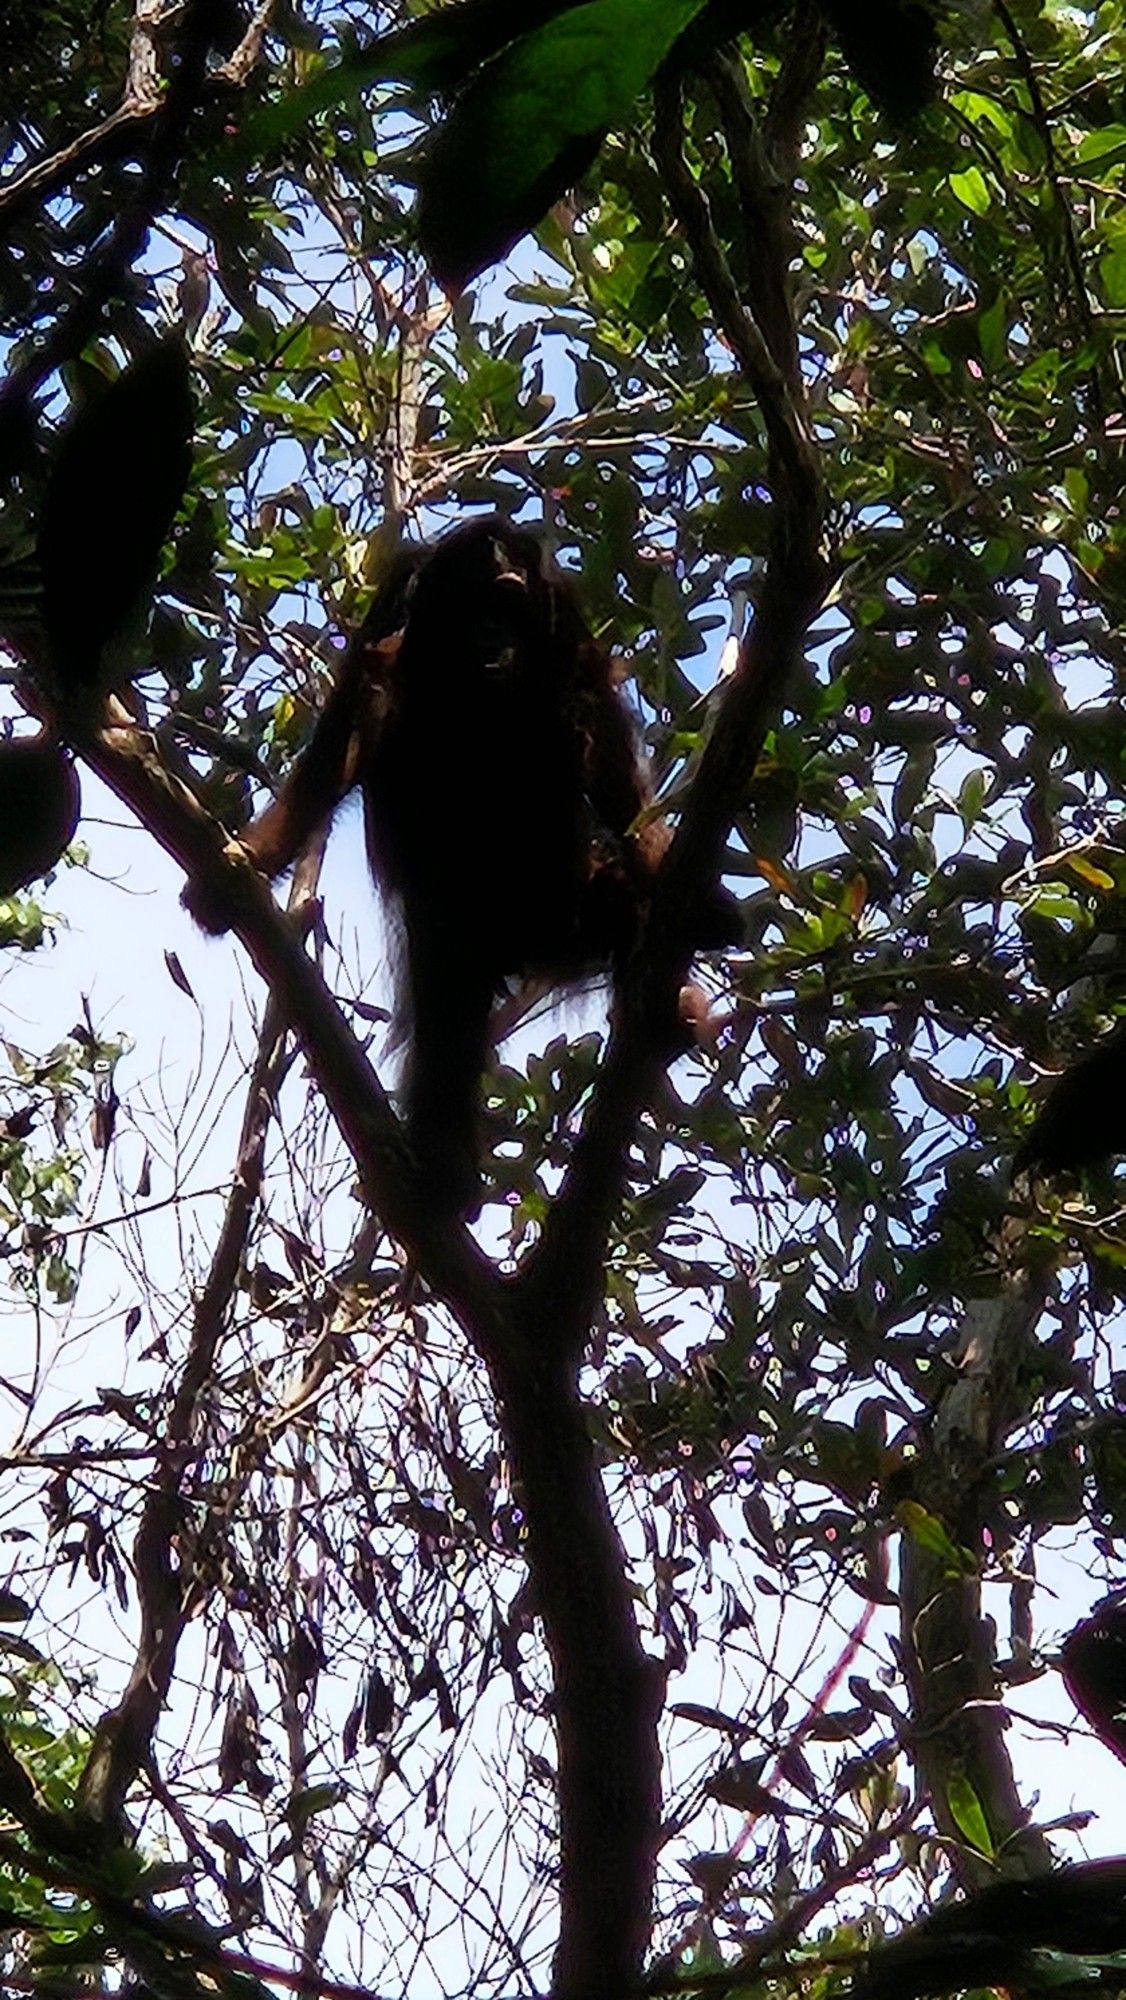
x=660, y=1585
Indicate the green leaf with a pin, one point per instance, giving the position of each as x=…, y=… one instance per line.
x=966, y=1812
x=983, y=110
x=1106, y=143
x=1066, y=1968
x=531, y=122
x=993, y=330
x=928, y=1532
x=972, y=190
x=971, y=798
x=936, y=358
x=1112, y=271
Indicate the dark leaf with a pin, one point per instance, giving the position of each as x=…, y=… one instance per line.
x=530, y=123
x=379, y=1706
x=177, y=974
x=39, y=806
x=114, y=491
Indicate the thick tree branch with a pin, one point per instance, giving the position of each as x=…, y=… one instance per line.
x=607, y=1691
x=948, y=1645
x=242, y=60
x=798, y=72
x=113, y=139
x=567, y=1265
x=131, y=764
x=764, y=206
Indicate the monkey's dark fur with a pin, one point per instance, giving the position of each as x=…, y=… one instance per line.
x=1082, y=1121
x=502, y=786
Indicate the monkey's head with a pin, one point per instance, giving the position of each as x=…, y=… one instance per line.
x=482, y=601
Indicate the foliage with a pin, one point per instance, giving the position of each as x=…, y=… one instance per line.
x=850, y=1385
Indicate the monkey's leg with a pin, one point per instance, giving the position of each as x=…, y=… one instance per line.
x=451, y=1000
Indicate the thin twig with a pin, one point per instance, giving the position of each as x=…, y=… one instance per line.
x=105, y=271
x=784, y=425
x=167, y=1578
x=1043, y=124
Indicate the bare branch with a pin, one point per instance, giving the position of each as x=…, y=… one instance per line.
x=167, y=1576
x=238, y=65
x=110, y=140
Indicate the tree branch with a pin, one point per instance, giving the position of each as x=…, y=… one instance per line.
x=785, y=429
x=947, y=1644
x=567, y=1263
x=764, y=206
x=111, y=140
x=168, y=119
x=608, y=1693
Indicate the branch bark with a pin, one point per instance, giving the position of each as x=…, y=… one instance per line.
x=948, y=1645
x=608, y=1692
x=567, y=1263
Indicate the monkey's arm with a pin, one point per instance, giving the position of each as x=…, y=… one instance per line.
x=620, y=788
x=325, y=771
x=617, y=781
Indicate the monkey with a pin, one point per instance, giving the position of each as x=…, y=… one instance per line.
x=1082, y=1121
x=505, y=806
